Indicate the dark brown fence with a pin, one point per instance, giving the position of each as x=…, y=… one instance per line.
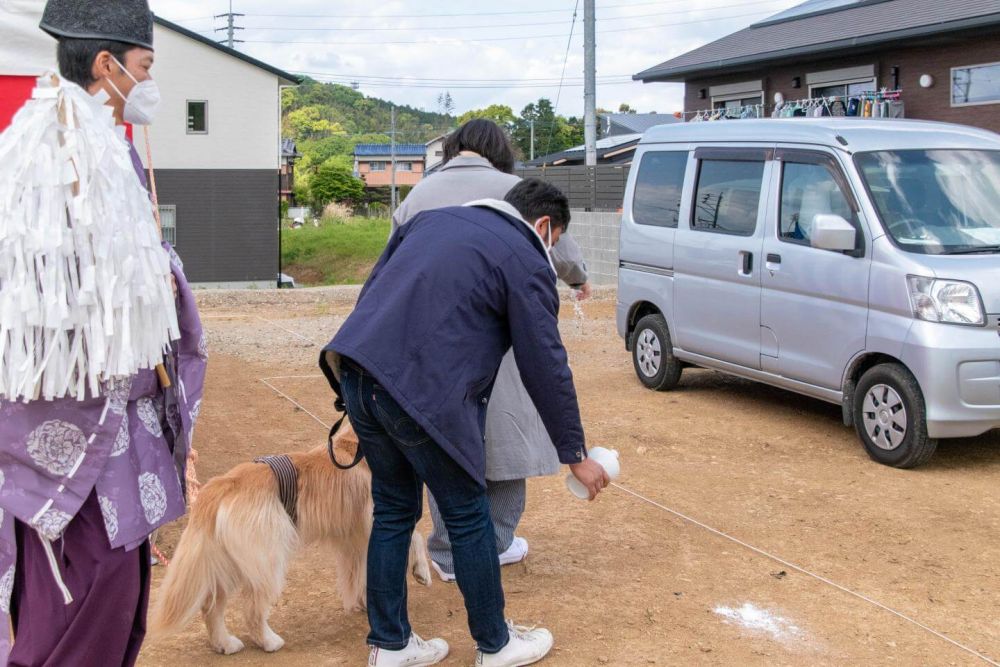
x=600, y=188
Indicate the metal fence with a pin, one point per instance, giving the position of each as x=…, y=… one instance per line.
x=600, y=188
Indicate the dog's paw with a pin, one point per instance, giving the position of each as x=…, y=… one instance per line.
x=422, y=573
x=229, y=645
x=271, y=642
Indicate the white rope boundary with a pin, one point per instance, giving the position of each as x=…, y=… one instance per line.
x=802, y=570
x=714, y=531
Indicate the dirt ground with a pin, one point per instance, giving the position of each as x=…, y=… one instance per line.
x=621, y=581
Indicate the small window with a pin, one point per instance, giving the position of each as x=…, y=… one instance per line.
x=404, y=166
x=658, y=187
x=737, y=103
x=728, y=196
x=168, y=223
x=978, y=84
x=843, y=89
x=197, y=117
x=808, y=190
x=376, y=166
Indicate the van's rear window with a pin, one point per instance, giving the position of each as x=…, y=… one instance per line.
x=657, y=199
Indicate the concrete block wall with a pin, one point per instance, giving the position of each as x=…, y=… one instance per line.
x=597, y=235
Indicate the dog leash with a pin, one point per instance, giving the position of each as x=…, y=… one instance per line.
x=339, y=405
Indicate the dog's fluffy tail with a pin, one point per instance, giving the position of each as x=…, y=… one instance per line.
x=199, y=570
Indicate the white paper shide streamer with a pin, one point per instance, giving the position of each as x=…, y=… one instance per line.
x=85, y=292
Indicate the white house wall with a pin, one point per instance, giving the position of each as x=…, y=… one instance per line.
x=243, y=109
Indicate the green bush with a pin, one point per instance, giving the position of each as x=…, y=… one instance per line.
x=335, y=253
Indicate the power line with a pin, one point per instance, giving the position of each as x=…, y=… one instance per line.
x=555, y=107
x=507, y=13
x=492, y=26
x=450, y=41
x=405, y=78
x=388, y=84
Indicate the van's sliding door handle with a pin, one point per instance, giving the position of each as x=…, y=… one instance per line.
x=746, y=258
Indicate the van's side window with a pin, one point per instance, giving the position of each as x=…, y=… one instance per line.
x=727, y=197
x=807, y=190
x=658, y=187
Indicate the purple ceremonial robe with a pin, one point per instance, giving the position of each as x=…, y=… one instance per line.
x=127, y=446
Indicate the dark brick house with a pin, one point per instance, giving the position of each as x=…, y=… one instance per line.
x=942, y=55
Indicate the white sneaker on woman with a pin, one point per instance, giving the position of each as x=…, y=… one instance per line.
x=526, y=646
x=416, y=654
x=516, y=552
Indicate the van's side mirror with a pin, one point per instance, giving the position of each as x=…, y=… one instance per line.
x=832, y=232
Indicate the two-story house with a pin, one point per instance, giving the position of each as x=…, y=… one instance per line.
x=373, y=164
x=215, y=142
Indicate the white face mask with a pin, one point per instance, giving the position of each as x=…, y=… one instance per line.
x=548, y=235
x=143, y=100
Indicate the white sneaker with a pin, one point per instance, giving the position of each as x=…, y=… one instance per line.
x=516, y=552
x=446, y=577
x=526, y=646
x=417, y=653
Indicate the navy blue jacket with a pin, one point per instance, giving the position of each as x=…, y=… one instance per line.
x=453, y=291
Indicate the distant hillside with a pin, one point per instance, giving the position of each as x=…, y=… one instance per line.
x=329, y=119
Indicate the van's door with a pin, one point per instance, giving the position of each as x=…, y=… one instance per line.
x=717, y=258
x=814, y=307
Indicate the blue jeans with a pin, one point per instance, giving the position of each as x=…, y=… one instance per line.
x=402, y=458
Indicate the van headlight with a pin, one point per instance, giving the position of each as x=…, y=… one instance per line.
x=948, y=301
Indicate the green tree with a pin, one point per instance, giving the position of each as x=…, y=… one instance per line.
x=552, y=133
x=625, y=108
x=334, y=181
x=310, y=122
x=501, y=114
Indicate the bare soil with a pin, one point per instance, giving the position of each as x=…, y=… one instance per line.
x=620, y=581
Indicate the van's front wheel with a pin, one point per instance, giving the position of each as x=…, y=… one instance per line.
x=890, y=417
x=652, y=354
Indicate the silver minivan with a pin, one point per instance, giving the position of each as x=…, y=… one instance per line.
x=854, y=261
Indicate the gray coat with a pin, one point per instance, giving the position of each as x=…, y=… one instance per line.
x=517, y=444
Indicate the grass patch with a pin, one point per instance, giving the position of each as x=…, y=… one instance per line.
x=335, y=253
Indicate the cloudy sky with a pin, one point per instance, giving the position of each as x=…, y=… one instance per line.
x=509, y=52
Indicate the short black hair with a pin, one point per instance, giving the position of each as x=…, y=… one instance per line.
x=485, y=138
x=534, y=198
x=76, y=57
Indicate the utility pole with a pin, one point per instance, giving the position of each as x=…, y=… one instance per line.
x=392, y=153
x=531, y=123
x=231, y=26
x=589, y=83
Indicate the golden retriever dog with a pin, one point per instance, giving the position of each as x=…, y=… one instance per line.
x=239, y=538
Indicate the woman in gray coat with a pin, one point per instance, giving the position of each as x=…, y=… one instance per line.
x=478, y=160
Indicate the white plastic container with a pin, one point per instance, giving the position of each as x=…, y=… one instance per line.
x=607, y=458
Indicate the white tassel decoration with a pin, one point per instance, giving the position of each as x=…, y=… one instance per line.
x=85, y=291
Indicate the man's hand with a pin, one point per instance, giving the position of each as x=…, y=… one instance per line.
x=173, y=284
x=583, y=293
x=592, y=475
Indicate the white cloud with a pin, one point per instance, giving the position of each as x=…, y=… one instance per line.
x=624, y=47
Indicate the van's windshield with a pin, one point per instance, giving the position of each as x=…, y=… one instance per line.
x=937, y=202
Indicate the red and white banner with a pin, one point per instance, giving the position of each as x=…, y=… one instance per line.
x=25, y=53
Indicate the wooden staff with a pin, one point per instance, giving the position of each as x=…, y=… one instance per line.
x=161, y=370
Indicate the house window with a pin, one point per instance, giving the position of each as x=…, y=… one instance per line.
x=736, y=103
x=197, y=117
x=168, y=223
x=976, y=84
x=376, y=166
x=732, y=96
x=843, y=89
x=658, y=187
x=728, y=196
x=404, y=166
